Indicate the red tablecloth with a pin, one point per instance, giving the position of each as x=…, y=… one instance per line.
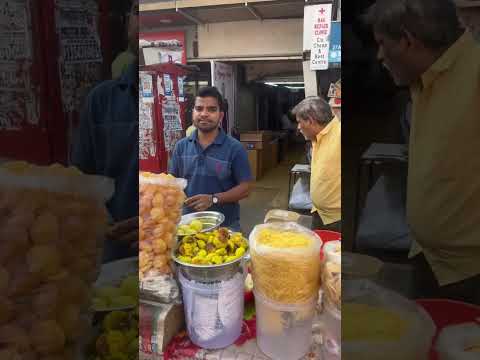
x=447, y=312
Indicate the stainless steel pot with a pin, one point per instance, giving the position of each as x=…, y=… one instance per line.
x=212, y=219
x=210, y=273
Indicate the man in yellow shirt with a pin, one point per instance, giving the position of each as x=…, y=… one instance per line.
x=317, y=124
x=441, y=65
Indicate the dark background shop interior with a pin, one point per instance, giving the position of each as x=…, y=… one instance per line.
x=268, y=97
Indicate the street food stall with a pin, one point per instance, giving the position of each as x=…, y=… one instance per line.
x=275, y=293
x=198, y=289
x=236, y=290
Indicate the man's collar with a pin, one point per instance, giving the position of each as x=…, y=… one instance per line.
x=220, y=139
x=447, y=59
x=130, y=77
x=326, y=129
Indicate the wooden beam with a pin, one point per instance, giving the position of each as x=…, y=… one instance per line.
x=253, y=11
x=178, y=4
x=255, y=58
x=186, y=15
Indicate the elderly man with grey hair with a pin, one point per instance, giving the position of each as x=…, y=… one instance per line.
x=423, y=45
x=469, y=14
x=317, y=124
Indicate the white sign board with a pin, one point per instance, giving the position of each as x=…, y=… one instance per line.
x=320, y=36
x=155, y=55
x=307, y=27
x=222, y=79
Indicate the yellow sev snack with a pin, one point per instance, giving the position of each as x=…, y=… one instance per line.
x=377, y=321
x=285, y=262
x=283, y=239
x=383, y=324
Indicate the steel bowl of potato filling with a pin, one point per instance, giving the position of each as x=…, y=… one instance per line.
x=212, y=256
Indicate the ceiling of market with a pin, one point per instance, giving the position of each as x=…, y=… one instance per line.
x=184, y=13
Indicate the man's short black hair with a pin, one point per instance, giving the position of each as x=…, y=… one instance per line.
x=211, y=91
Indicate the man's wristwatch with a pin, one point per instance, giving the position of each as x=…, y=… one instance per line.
x=214, y=200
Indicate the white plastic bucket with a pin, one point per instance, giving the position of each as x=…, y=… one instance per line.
x=284, y=332
x=213, y=311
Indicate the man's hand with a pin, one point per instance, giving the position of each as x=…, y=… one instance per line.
x=200, y=202
x=125, y=231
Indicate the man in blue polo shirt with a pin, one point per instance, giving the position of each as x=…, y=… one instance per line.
x=106, y=143
x=214, y=163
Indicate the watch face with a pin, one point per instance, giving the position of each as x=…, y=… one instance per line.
x=215, y=200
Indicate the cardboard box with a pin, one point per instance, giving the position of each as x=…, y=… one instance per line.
x=255, y=159
x=256, y=136
x=161, y=315
x=283, y=148
x=158, y=324
x=266, y=158
x=253, y=145
x=274, y=151
x=270, y=155
x=256, y=140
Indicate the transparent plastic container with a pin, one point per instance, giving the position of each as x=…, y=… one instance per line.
x=284, y=332
x=331, y=320
x=460, y=341
x=161, y=198
x=330, y=250
x=54, y=222
x=377, y=304
x=285, y=262
x=213, y=311
x=360, y=267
